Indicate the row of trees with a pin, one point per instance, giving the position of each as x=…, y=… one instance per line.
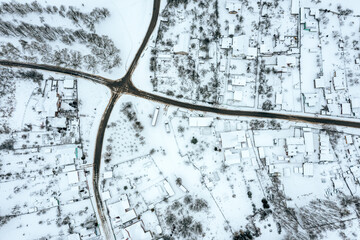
x=72, y=13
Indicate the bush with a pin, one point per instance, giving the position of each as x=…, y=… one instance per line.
x=194, y=140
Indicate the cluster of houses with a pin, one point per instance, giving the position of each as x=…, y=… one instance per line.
x=130, y=220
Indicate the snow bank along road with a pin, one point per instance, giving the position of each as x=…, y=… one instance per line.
x=125, y=86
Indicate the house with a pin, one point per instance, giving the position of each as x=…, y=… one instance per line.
x=182, y=46
x=283, y=62
x=319, y=82
x=233, y=6
x=223, y=62
x=73, y=177
x=345, y=109
x=325, y=152
x=226, y=42
x=69, y=83
x=231, y=158
x=74, y=236
x=309, y=141
x=200, y=121
x=232, y=139
x=108, y=174
x=311, y=99
x=136, y=231
x=105, y=195
x=241, y=47
x=308, y=169
x=238, y=96
x=294, y=145
x=168, y=188
x=263, y=140
x=339, y=80
x=295, y=7
x=238, y=81
x=278, y=98
x=231, y=29
x=120, y=211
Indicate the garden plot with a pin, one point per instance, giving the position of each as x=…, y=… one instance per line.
x=52, y=223
x=42, y=192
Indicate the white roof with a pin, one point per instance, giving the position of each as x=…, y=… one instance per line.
x=108, y=174
x=231, y=29
x=231, y=158
x=223, y=64
x=294, y=141
x=309, y=142
x=74, y=236
x=117, y=210
x=295, y=5
x=263, y=140
x=261, y=152
x=68, y=83
x=320, y=82
x=232, y=139
x=339, y=80
x=355, y=102
x=168, y=188
x=200, y=121
x=346, y=108
x=136, y=232
x=278, y=98
x=238, y=95
x=245, y=154
x=233, y=6
x=105, y=195
x=238, y=81
x=311, y=99
x=308, y=169
x=226, y=42
x=73, y=177
x=182, y=45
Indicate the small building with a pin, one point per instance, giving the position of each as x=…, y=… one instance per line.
x=231, y=29
x=278, y=98
x=319, y=82
x=232, y=139
x=182, y=46
x=339, y=80
x=308, y=169
x=233, y=6
x=309, y=142
x=73, y=177
x=345, y=109
x=223, y=62
x=137, y=231
x=226, y=42
x=238, y=96
x=168, y=188
x=238, y=81
x=69, y=83
x=105, y=195
x=295, y=7
x=200, y=121
x=325, y=148
x=108, y=174
x=263, y=140
x=231, y=158
x=311, y=99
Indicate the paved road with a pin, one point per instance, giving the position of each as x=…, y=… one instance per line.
x=75, y=73
x=107, y=231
